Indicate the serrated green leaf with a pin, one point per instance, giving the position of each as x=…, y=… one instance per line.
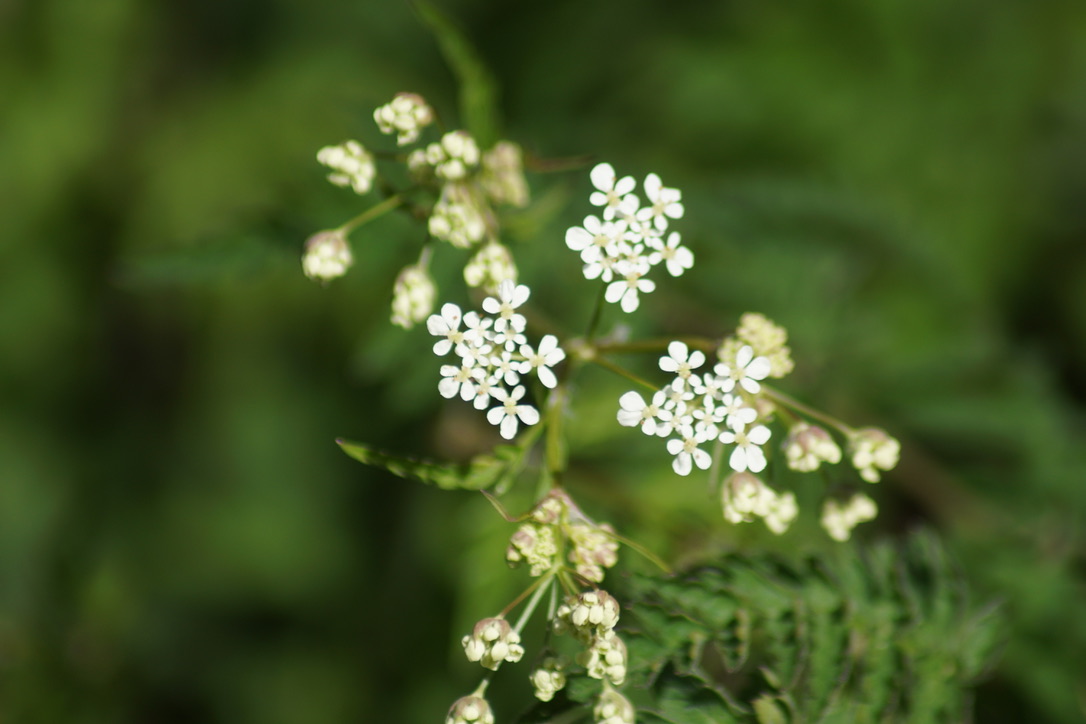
x=482, y=472
x=478, y=89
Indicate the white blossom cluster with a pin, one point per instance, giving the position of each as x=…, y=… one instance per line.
x=613, y=708
x=728, y=406
x=412, y=296
x=698, y=408
x=622, y=247
x=549, y=678
x=494, y=354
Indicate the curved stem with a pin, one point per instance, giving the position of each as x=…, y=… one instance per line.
x=795, y=404
x=659, y=345
x=542, y=585
x=597, y=312
x=623, y=372
x=372, y=213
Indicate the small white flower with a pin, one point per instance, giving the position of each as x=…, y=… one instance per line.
x=510, y=296
x=653, y=419
x=506, y=416
x=747, y=454
x=626, y=289
x=677, y=258
x=458, y=380
x=327, y=256
x=447, y=325
x=548, y=355
x=745, y=371
x=736, y=413
x=351, y=164
x=686, y=451
x=405, y=115
x=611, y=193
x=681, y=361
x=664, y=203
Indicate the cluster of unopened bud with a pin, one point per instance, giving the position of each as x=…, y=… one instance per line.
x=839, y=520
x=745, y=497
x=458, y=216
x=808, y=446
x=873, y=450
x=613, y=708
x=503, y=174
x=549, y=678
x=767, y=339
x=593, y=549
x=471, y=709
x=451, y=159
x=351, y=164
x=327, y=256
x=491, y=265
x=534, y=544
x=587, y=616
x=491, y=642
x=412, y=296
x=405, y=115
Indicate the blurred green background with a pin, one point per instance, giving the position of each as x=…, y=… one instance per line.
x=901, y=184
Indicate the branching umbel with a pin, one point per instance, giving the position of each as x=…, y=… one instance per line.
x=712, y=407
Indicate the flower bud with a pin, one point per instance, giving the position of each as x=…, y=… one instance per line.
x=808, y=446
x=873, y=450
x=470, y=710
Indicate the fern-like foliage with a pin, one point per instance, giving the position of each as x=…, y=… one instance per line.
x=878, y=634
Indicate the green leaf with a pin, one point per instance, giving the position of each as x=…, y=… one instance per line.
x=478, y=90
x=482, y=472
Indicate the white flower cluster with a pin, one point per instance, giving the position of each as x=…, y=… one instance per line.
x=621, y=248
x=351, y=164
x=808, y=446
x=405, y=115
x=471, y=709
x=327, y=256
x=491, y=265
x=494, y=353
x=873, y=450
x=491, y=642
x=839, y=520
x=695, y=409
x=556, y=522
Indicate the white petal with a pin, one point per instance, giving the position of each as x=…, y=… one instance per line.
x=750, y=385
x=437, y=326
x=603, y=176
x=674, y=446
x=681, y=464
x=577, y=238
x=702, y=459
x=615, y=290
x=527, y=414
x=632, y=401
x=442, y=347
x=495, y=414
x=508, y=427
x=758, y=368
x=520, y=294
x=547, y=377
x=744, y=356
x=678, y=351
x=624, y=186
x=629, y=418
x=759, y=435
x=630, y=301
x=738, y=459
x=755, y=460
x=448, y=387
x=652, y=186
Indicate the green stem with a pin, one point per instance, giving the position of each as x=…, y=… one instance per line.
x=597, y=312
x=538, y=588
x=658, y=345
x=622, y=372
x=778, y=396
x=372, y=213
x=554, y=447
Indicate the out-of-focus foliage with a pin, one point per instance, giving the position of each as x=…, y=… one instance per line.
x=886, y=634
x=901, y=184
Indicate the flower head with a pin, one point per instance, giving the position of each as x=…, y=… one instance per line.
x=491, y=642
x=873, y=450
x=510, y=411
x=808, y=446
x=839, y=520
x=412, y=296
